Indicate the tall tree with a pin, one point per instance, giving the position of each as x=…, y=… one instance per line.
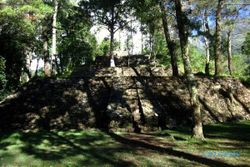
x=218, y=52
x=46, y=57
x=54, y=37
x=207, y=42
x=182, y=24
x=155, y=15
x=76, y=45
x=110, y=13
x=231, y=16
x=171, y=44
x=19, y=22
x=205, y=10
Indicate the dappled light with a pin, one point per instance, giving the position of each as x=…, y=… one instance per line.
x=93, y=147
x=124, y=83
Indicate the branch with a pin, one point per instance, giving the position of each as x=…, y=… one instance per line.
x=121, y=27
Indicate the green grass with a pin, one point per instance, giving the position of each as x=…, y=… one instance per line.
x=96, y=148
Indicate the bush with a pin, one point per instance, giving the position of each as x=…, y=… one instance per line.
x=197, y=59
x=104, y=47
x=240, y=65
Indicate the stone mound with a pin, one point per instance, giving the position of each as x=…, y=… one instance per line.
x=133, y=98
x=132, y=103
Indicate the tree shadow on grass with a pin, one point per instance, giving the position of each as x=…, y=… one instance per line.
x=91, y=148
x=56, y=147
x=233, y=131
x=169, y=151
x=238, y=131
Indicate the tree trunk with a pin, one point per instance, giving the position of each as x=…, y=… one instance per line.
x=127, y=47
x=27, y=68
x=207, y=43
x=142, y=41
x=54, y=44
x=37, y=66
x=151, y=45
x=112, y=57
x=229, y=51
x=47, y=67
x=112, y=33
x=153, y=48
x=207, y=48
x=120, y=41
x=111, y=43
x=170, y=43
x=183, y=35
x=132, y=39
x=46, y=58
x=218, y=53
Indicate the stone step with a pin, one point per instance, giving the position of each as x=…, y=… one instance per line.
x=142, y=71
x=125, y=61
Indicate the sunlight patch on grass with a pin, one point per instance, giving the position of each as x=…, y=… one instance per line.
x=96, y=148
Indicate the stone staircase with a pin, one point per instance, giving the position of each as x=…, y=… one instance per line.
x=126, y=61
x=132, y=99
x=144, y=96
x=139, y=65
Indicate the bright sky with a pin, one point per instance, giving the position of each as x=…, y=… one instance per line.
x=101, y=33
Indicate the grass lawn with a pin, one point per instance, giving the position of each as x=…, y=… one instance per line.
x=225, y=145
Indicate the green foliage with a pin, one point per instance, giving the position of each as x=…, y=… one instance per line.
x=240, y=65
x=102, y=12
x=197, y=59
x=149, y=14
x=23, y=24
x=76, y=49
x=15, y=36
x=104, y=47
x=246, y=45
x=113, y=14
x=76, y=45
x=19, y=24
x=160, y=48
